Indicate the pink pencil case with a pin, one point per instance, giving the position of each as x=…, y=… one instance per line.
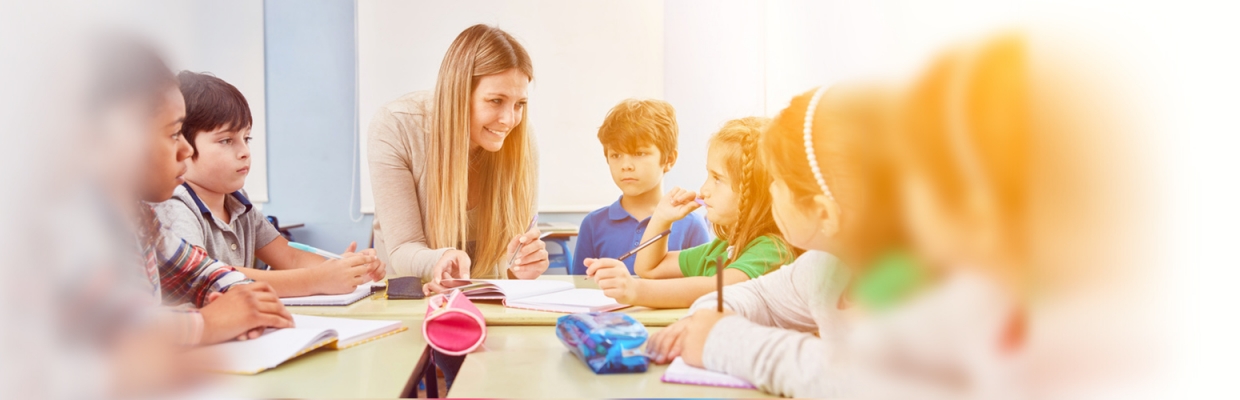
x=453, y=325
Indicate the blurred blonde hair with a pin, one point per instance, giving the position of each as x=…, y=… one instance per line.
x=1030, y=144
x=508, y=175
x=737, y=140
x=850, y=127
x=967, y=131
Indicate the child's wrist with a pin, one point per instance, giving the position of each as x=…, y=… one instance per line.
x=660, y=223
x=311, y=279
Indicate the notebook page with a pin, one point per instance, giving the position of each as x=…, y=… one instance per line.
x=273, y=348
x=517, y=289
x=349, y=331
x=568, y=301
x=681, y=372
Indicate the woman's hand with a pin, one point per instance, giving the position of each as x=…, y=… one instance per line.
x=532, y=260
x=613, y=277
x=676, y=204
x=453, y=265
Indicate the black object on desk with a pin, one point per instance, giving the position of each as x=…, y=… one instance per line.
x=405, y=288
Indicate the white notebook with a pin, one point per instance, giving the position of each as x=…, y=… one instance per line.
x=276, y=346
x=364, y=290
x=541, y=295
x=681, y=372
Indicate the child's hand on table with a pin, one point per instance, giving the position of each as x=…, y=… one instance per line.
x=343, y=275
x=377, y=270
x=613, y=277
x=685, y=338
x=242, y=312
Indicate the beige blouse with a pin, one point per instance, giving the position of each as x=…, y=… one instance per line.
x=397, y=158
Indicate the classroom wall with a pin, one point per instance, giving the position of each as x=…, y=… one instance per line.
x=310, y=119
x=189, y=35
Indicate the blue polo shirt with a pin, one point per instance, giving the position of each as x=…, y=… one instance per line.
x=609, y=232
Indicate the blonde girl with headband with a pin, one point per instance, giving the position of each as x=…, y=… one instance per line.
x=454, y=169
x=830, y=197
x=738, y=205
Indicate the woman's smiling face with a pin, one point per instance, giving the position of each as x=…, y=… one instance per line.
x=496, y=107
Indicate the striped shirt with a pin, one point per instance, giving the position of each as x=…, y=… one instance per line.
x=181, y=276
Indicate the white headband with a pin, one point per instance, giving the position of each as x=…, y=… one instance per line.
x=809, y=141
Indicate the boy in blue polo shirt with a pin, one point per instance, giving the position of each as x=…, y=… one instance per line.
x=639, y=141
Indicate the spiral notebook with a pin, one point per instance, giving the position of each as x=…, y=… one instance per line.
x=681, y=372
x=362, y=291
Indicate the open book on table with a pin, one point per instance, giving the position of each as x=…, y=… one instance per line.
x=276, y=346
x=541, y=295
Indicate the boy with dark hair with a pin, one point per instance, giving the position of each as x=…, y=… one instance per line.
x=211, y=210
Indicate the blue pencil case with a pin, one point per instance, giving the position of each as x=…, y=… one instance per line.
x=607, y=342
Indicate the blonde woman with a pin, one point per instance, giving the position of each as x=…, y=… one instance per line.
x=454, y=170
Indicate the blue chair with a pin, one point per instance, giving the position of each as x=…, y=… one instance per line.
x=558, y=259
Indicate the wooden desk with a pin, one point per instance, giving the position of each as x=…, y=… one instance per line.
x=379, y=307
x=530, y=362
x=388, y=367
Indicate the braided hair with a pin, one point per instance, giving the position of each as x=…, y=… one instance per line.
x=738, y=138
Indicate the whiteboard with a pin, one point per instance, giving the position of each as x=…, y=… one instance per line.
x=587, y=57
x=713, y=60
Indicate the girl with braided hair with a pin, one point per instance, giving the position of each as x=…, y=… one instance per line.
x=738, y=206
x=830, y=195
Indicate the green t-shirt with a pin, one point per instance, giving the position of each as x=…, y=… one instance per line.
x=757, y=258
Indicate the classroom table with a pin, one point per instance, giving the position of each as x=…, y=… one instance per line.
x=530, y=362
x=377, y=306
x=387, y=367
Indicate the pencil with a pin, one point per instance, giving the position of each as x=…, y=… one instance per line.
x=719, y=283
x=644, y=245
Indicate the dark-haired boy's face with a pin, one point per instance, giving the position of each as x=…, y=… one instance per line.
x=638, y=172
x=223, y=160
x=168, y=149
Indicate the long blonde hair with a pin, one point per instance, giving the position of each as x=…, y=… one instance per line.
x=738, y=141
x=509, y=175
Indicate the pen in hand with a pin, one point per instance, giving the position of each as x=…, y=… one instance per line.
x=645, y=244
x=533, y=221
x=315, y=250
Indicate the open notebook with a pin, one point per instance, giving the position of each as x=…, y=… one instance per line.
x=541, y=295
x=364, y=290
x=681, y=372
x=276, y=346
